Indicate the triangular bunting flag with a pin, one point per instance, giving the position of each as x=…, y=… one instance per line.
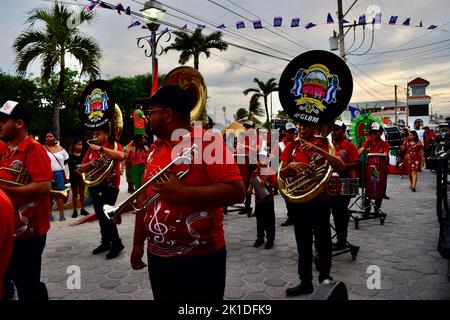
x=362, y=19
x=277, y=21
x=257, y=24
x=201, y=26
x=310, y=25
x=120, y=8
x=377, y=19
x=393, y=20
x=330, y=18
x=406, y=22
x=184, y=28
x=91, y=7
x=420, y=24
x=295, y=22
x=432, y=27
x=134, y=24
x=128, y=11
x=240, y=25
x=222, y=26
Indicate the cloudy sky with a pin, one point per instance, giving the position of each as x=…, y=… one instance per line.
x=398, y=54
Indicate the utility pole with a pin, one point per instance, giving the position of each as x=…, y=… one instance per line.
x=395, y=108
x=407, y=105
x=341, y=30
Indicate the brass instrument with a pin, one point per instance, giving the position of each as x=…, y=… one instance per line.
x=102, y=167
x=191, y=81
x=114, y=212
x=21, y=179
x=314, y=89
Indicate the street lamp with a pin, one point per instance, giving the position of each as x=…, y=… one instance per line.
x=152, y=13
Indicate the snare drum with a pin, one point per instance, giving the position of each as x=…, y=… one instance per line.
x=376, y=175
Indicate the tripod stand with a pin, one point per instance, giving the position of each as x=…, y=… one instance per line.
x=365, y=204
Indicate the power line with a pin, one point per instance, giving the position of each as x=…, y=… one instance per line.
x=244, y=65
x=383, y=84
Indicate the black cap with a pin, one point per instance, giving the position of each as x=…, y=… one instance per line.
x=170, y=96
x=15, y=110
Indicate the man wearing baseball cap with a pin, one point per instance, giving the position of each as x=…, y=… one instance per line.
x=31, y=200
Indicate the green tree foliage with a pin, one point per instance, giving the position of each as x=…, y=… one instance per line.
x=264, y=90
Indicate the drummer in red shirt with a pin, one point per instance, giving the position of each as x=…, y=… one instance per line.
x=31, y=200
x=107, y=191
x=184, y=227
x=374, y=144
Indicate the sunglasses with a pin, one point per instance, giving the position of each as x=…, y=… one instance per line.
x=148, y=112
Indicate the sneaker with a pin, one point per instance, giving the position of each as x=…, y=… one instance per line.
x=101, y=248
x=288, y=222
x=84, y=212
x=302, y=288
x=258, y=242
x=269, y=245
x=50, y=218
x=75, y=214
x=62, y=218
x=114, y=252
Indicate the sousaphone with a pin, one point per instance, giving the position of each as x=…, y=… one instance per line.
x=314, y=88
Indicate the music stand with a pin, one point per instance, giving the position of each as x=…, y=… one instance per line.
x=361, y=201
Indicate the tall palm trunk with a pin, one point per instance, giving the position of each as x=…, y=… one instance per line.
x=267, y=112
x=59, y=96
x=196, y=62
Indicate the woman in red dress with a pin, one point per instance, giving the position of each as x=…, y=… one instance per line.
x=414, y=159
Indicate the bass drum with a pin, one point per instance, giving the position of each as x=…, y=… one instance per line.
x=376, y=175
x=329, y=290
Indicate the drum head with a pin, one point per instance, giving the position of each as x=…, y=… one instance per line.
x=97, y=104
x=315, y=87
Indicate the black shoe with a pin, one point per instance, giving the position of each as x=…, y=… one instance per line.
x=302, y=288
x=101, y=248
x=258, y=242
x=340, y=245
x=288, y=222
x=114, y=252
x=84, y=212
x=75, y=214
x=413, y=189
x=269, y=245
x=386, y=197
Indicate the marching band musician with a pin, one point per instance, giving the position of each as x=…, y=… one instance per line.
x=339, y=205
x=31, y=201
x=374, y=144
x=184, y=227
x=310, y=217
x=6, y=234
x=107, y=191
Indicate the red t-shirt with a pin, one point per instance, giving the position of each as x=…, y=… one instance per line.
x=187, y=230
x=376, y=146
x=346, y=151
x=113, y=178
x=33, y=157
x=6, y=235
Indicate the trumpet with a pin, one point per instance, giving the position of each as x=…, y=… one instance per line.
x=114, y=212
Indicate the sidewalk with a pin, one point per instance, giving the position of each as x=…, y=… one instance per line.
x=404, y=249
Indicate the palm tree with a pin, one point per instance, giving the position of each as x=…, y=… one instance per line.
x=195, y=44
x=58, y=37
x=254, y=110
x=264, y=90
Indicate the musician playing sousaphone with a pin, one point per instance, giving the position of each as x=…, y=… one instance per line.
x=315, y=88
x=184, y=226
x=101, y=163
x=25, y=176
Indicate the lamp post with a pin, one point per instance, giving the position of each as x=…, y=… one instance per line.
x=152, y=13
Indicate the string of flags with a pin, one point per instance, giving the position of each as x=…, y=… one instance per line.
x=257, y=24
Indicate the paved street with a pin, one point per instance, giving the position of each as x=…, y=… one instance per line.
x=404, y=249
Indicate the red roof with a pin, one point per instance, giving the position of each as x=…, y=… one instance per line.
x=419, y=97
x=417, y=81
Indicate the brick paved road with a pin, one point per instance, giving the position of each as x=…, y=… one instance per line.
x=404, y=248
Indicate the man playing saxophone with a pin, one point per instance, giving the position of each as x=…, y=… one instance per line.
x=107, y=190
x=184, y=227
x=30, y=198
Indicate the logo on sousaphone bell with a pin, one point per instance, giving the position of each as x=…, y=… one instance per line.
x=315, y=86
x=96, y=104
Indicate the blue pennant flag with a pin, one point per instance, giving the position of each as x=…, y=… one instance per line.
x=201, y=26
x=377, y=19
x=295, y=22
x=344, y=21
x=406, y=22
x=184, y=28
x=310, y=25
x=393, y=20
x=134, y=24
x=128, y=11
x=277, y=21
x=362, y=19
x=257, y=24
x=91, y=7
x=240, y=25
x=354, y=111
x=120, y=8
x=432, y=27
x=420, y=24
x=222, y=26
x=330, y=18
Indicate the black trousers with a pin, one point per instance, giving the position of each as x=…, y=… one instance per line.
x=199, y=278
x=25, y=269
x=341, y=216
x=102, y=195
x=265, y=220
x=248, y=196
x=313, y=218
x=289, y=210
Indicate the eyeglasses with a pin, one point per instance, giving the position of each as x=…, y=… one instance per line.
x=148, y=112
